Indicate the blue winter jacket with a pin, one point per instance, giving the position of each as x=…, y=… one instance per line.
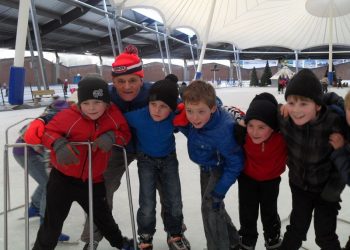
x=214, y=146
x=155, y=139
x=140, y=101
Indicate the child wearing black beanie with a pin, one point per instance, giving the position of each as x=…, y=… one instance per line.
x=156, y=159
x=258, y=185
x=314, y=181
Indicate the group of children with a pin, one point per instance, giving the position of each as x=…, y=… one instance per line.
x=310, y=140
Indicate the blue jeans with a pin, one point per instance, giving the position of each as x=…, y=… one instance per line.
x=37, y=170
x=166, y=169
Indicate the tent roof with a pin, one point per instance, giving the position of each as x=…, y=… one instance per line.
x=284, y=71
x=264, y=29
x=293, y=24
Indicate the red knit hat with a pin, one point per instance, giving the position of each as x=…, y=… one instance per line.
x=127, y=63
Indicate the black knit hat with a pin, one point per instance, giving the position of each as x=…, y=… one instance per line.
x=172, y=77
x=306, y=84
x=263, y=108
x=92, y=87
x=166, y=91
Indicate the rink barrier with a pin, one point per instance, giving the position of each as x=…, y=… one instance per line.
x=7, y=204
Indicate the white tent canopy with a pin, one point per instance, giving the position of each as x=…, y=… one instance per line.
x=293, y=24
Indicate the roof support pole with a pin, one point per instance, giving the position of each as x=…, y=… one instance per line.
x=238, y=67
x=17, y=77
x=330, y=45
x=166, y=34
x=230, y=73
x=110, y=33
x=35, y=61
x=192, y=55
x=57, y=67
x=117, y=31
x=118, y=36
x=185, y=71
x=296, y=60
x=205, y=40
x=160, y=48
x=38, y=45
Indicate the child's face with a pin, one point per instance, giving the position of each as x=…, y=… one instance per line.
x=93, y=108
x=258, y=131
x=198, y=113
x=302, y=111
x=347, y=114
x=128, y=86
x=159, y=110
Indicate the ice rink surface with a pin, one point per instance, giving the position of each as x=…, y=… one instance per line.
x=189, y=174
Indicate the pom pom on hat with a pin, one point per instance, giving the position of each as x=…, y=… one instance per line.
x=93, y=87
x=305, y=84
x=263, y=108
x=127, y=63
x=166, y=91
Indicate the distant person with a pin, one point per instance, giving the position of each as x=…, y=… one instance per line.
x=65, y=87
x=313, y=179
x=182, y=89
x=258, y=185
x=340, y=83
x=212, y=146
x=68, y=181
x=5, y=87
x=324, y=83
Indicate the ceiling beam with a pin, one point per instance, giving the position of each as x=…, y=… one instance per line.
x=66, y=18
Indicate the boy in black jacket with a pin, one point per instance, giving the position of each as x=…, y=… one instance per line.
x=341, y=153
x=314, y=181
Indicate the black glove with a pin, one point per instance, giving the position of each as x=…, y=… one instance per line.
x=240, y=133
x=66, y=153
x=104, y=142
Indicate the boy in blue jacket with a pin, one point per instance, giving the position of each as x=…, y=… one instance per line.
x=156, y=159
x=212, y=146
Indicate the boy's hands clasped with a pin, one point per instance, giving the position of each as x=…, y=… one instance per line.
x=66, y=153
x=104, y=142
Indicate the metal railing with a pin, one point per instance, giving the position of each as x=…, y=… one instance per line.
x=7, y=194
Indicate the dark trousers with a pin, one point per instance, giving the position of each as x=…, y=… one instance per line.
x=252, y=194
x=220, y=232
x=62, y=190
x=305, y=203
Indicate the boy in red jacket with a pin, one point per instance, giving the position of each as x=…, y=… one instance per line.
x=258, y=185
x=94, y=119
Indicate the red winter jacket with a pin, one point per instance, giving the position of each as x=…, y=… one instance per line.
x=265, y=161
x=76, y=127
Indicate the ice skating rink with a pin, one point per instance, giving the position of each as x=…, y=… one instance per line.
x=189, y=174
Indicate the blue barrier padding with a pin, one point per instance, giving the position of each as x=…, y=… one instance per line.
x=330, y=78
x=16, y=85
x=198, y=75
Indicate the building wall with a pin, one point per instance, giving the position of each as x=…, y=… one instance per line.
x=153, y=71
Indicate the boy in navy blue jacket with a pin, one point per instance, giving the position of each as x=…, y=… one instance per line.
x=212, y=146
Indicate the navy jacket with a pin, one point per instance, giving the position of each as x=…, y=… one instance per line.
x=214, y=146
